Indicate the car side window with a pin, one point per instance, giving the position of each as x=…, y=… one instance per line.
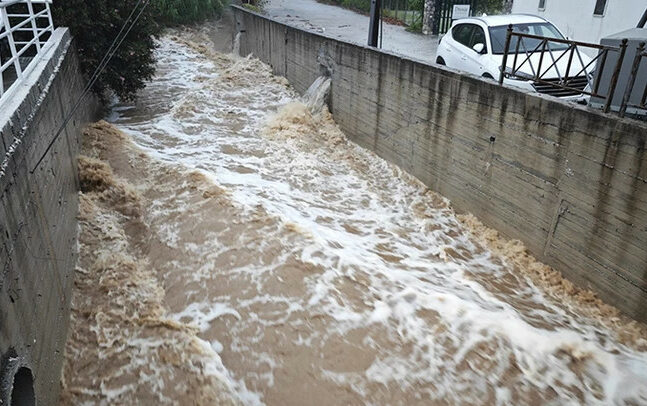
x=462, y=33
x=478, y=37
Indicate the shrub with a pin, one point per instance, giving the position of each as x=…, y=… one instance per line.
x=95, y=23
x=256, y=6
x=416, y=26
x=365, y=5
x=490, y=7
x=252, y=7
x=361, y=5
x=188, y=11
x=483, y=6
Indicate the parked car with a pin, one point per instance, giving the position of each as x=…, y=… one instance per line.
x=477, y=44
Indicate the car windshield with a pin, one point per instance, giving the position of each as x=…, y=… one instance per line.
x=498, y=35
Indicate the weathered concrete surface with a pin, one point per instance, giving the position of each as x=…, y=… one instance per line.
x=38, y=226
x=568, y=181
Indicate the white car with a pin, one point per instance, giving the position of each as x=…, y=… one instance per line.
x=477, y=44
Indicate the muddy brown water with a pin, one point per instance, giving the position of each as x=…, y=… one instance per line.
x=236, y=248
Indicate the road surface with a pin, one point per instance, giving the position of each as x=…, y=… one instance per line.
x=350, y=26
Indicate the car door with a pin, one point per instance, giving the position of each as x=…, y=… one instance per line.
x=461, y=35
x=463, y=39
x=475, y=60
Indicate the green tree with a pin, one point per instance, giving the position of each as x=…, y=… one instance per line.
x=188, y=11
x=490, y=7
x=94, y=25
x=418, y=5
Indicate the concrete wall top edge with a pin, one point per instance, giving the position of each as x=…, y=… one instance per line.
x=20, y=106
x=51, y=58
x=540, y=100
x=38, y=219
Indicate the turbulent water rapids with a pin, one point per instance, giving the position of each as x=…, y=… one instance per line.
x=235, y=248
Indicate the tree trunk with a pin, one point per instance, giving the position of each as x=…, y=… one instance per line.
x=428, y=20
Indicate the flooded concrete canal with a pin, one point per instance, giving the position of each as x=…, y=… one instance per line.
x=236, y=248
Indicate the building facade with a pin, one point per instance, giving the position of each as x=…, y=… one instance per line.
x=586, y=20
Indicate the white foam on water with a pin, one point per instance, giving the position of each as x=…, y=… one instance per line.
x=202, y=314
x=236, y=50
x=214, y=367
x=364, y=224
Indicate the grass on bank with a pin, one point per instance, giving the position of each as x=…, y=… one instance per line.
x=173, y=12
x=411, y=18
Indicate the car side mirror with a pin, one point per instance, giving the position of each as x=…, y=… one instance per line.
x=479, y=48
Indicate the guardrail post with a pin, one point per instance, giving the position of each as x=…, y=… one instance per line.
x=504, y=63
x=544, y=42
x=1, y=76
x=374, y=23
x=516, y=55
x=570, y=62
x=12, y=44
x=632, y=79
x=616, y=74
x=49, y=18
x=34, y=28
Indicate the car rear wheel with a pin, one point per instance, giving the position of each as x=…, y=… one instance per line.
x=488, y=76
x=440, y=61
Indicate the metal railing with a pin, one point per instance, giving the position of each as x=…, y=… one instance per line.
x=570, y=80
x=401, y=10
x=25, y=28
x=626, y=99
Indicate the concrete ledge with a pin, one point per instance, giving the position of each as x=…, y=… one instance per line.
x=38, y=226
x=568, y=181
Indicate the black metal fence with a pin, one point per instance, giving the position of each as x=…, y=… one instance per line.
x=406, y=11
x=444, y=13
x=541, y=57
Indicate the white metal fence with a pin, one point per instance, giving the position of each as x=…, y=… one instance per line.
x=25, y=28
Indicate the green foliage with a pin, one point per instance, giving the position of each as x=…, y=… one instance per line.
x=417, y=5
x=365, y=5
x=95, y=24
x=410, y=14
x=490, y=7
x=484, y=6
x=359, y=5
x=188, y=11
x=252, y=7
x=416, y=26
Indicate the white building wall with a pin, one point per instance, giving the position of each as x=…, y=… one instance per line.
x=576, y=20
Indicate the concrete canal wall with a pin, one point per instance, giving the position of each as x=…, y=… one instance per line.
x=569, y=182
x=38, y=222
